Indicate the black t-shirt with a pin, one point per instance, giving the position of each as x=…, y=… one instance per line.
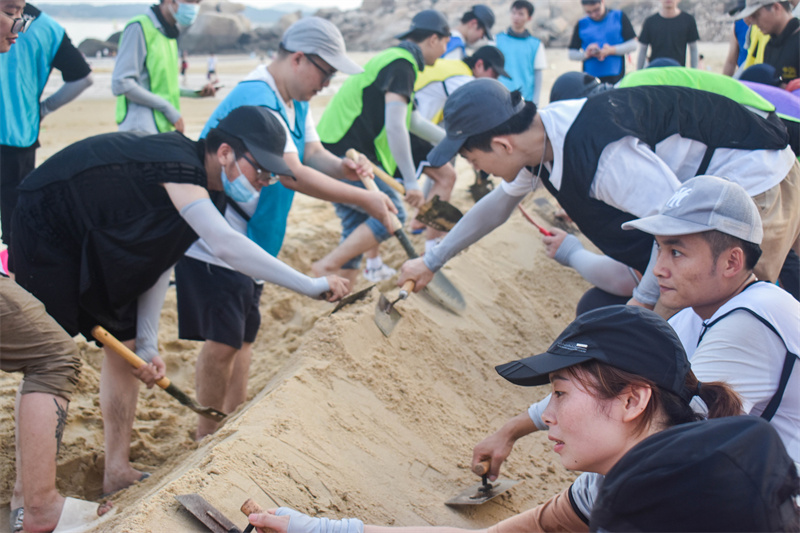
x=783, y=51
x=68, y=59
x=668, y=37
x=396, y=77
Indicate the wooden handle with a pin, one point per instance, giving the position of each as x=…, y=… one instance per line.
x=249, y=507
x=481, y=468
x=353, y=154
x=103, y=336
x=370, y=186
x=406, y=289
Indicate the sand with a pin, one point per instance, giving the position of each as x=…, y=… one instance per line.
x=340, y=421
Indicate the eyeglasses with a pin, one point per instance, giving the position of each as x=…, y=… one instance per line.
x=261, y=174
x=328, y=74
x=19, y=25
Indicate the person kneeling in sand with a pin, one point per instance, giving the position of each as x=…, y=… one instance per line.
x=625, y=362
x=99, y=226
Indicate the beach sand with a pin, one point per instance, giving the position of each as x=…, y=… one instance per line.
x=340, y=421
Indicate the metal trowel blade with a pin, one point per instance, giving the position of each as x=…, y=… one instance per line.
x=475, y=496
x=386, y=316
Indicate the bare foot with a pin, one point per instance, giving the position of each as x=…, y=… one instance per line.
x=115, y=482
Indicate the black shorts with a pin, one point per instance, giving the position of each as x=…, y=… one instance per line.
x=216, y=303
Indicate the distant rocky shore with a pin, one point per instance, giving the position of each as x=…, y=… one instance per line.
x=222, y=27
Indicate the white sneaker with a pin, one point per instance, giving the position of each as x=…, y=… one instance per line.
x=379, y=274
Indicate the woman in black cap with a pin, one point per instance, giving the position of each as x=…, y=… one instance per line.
x=618, y=374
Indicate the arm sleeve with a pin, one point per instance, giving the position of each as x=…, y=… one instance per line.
x=647, y=290
x=535, y=412
x=243, y=254
x=599, y=270
x=642, y=57
x=694, y=56
x=148, y=313
x=575, y=54
x=400, y=142
x=627, y=47
x=425, y=129
x=125, y=80
x=556, y=514
x=490, y=212
x=65, y=94
x=537, y=85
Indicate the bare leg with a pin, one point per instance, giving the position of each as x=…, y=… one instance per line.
x=237, y=385
x=40, y=426
x=360, y=241
x=212, y=377
x=119, y=392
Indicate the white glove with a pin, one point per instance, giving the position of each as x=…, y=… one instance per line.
x=302, y=523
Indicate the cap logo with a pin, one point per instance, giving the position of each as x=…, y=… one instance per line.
x=678, y=197
x=573, y=346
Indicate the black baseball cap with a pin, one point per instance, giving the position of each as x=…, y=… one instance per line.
x=573, y=85
x=491, y=56
x=724, y=474
x=428, y=20
x=485, y=16
x=626, y=337
x=473, y=108
x=262, y=134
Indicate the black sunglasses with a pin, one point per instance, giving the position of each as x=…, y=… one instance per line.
x=19, y=25
x=326, y=73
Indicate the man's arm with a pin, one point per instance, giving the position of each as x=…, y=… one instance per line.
x=396, y=107
x=312, y=182
x=126, y=77
x=642, y=57
x=694, y=55
x=490, y=212
x=194, y=205
x=733, y=56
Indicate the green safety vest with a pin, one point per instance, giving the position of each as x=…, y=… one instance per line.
x=698, y=79
x=347, y=105
x=162, y=66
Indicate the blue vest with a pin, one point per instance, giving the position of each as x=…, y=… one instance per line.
x=607, y=31
x=267, y=226
x=520, y=55
x=25, y=69
x=455, y=42
x=740, y=29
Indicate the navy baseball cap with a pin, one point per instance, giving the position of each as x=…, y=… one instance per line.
x=630, y=338
x=473, y=108
x=485, y=16
x=428, y=20
x=491, y=57
x=261, y=133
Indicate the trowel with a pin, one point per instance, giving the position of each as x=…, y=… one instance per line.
x=386, y=316
x=436, y=213
x=354, y=297
x=481, y=492
x=212, y=518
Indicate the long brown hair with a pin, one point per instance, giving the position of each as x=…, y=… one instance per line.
x=664, y=406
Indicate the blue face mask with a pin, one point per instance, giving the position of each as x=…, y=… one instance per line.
x=240, y=189
x=186, y=13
